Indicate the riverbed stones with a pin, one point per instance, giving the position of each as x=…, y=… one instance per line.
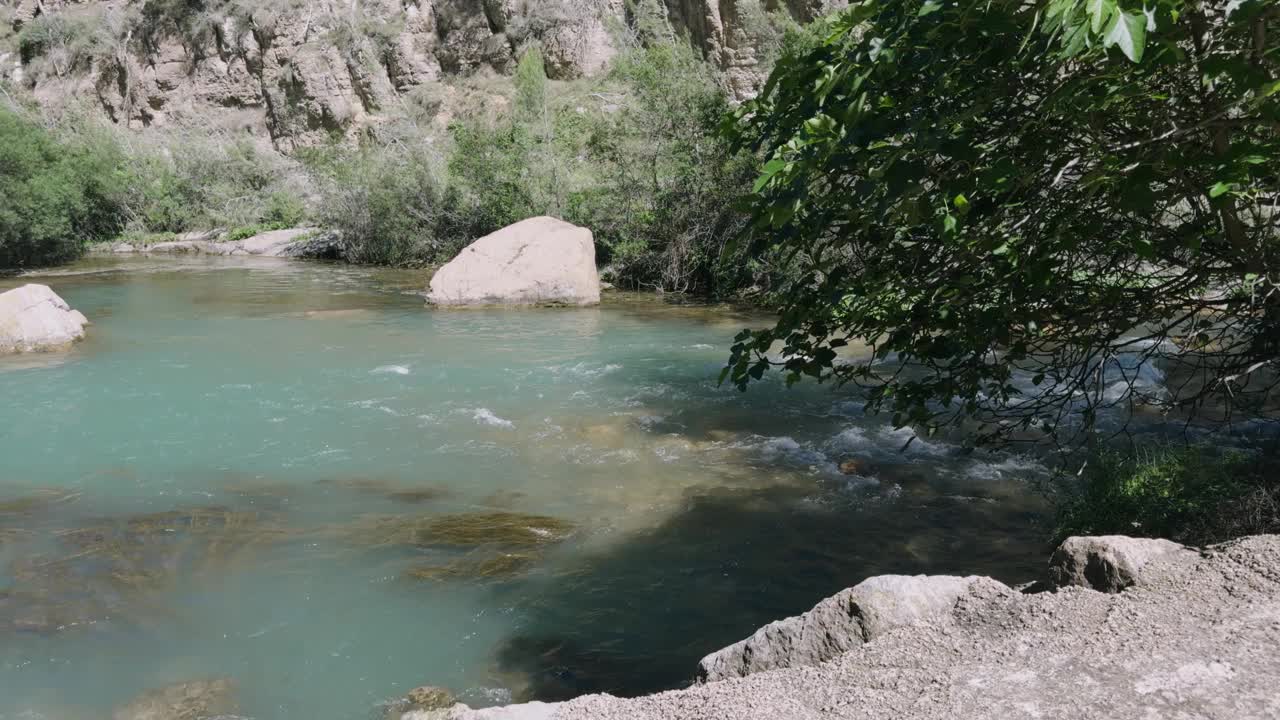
x=1108, y=563
x=191, y=700
x=539, y=261
x=842, y=622
x=34, y=319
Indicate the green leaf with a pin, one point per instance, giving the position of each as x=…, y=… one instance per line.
x=771, y=168
x=929, y=7
x=1269, y=89
x=1129, y=33
x=1219, y=189
x=1099, y=12
x=961, y=202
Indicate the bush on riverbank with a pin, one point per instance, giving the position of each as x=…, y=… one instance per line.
x=179, y=182
x=1193, y=495
x=385, y=204
x=56, y=195
x=85, y=181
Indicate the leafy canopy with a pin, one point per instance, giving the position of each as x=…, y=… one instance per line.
x=1021, y=207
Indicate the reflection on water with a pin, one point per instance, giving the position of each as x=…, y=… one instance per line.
x=297, y=477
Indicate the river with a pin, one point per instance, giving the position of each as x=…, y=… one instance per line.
x=299, y=477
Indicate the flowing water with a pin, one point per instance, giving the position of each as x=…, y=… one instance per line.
x=299, y=477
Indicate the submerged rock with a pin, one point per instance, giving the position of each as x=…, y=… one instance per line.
x=1108, y=563
x=427, y=701
x=416, y=496
x=390, y=490
x=34, y=319
x=841, y=622
x=108, y=570
x=193, y=700
x=492, y=567
x=856, y=466
x=494, y=528
x=430, y=698
x=35, y=502
x=537, y=261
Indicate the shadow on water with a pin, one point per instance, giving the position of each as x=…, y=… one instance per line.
x=637, y=617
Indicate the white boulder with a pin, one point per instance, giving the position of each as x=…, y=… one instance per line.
x=537, y=261
x=33, y=318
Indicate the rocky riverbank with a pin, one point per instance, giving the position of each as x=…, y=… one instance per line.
x=309, y=243
x=1118, y=628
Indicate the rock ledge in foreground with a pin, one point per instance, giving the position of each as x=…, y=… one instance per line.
x=34, y=319
x=840, y=623
x=539, y=261
x=1108, y=563
x=1193, y=637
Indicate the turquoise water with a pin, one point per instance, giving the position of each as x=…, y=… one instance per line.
x=210, y=485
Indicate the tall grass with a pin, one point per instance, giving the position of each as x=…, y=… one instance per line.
x=1192, y=494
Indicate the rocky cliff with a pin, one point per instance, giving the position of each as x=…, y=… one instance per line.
x=301, y=71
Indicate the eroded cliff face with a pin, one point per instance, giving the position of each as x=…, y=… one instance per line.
x=303, y=71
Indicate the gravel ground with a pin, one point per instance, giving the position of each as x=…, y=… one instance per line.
x=1199, y=637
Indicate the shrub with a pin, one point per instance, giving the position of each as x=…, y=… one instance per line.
x=55, y=197
x=1189, y=494
x=194, y=183
x=490, y=171
x=664, y=205
x=384, y=203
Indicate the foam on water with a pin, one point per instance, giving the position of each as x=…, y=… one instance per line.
x=485, y=416
x=390, y=370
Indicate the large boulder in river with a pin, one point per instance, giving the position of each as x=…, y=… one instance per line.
x=537, y=261
x=33, y=318
x=844, y=621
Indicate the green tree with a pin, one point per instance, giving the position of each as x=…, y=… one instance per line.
x=1020, y=206
x=663, y=206
x=384, y=204
x=55, y=197
x=533, y=113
